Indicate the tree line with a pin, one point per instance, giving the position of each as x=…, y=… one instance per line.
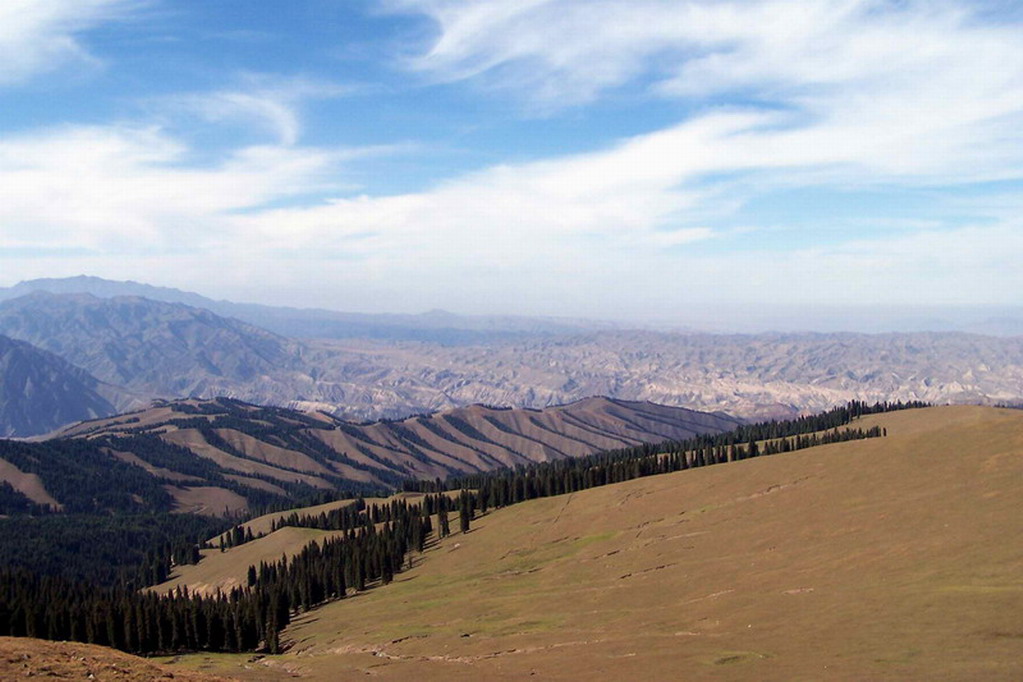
x=509, y=486
x=244, y=619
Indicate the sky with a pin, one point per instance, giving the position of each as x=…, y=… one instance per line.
x=657, y=161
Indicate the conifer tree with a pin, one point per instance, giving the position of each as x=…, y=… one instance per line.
x=442, y=521
x=464, y=511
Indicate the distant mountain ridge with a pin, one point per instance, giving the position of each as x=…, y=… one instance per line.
x=158, y=349
x=166, y=349
x=40, y=391
x=435, y=326
x=441, y=326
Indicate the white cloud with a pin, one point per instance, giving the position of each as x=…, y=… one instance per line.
x=572, y=50
x=607, y=231
x=271, y=103
x=860, y=93
x=39, y=35
x=127, y=189
x=606, y=234
x=838, y=93
x=917, y=85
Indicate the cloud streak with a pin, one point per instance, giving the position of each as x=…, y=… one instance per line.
x=921, y=83
x=122, y=189
x=271, y=104
x=37, y=36
x=819, y=95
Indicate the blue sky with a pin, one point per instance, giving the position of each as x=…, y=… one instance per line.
x=645, y=160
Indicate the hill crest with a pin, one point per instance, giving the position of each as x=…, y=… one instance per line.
x=208, y=455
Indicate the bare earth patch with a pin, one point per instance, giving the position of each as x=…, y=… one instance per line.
x=29, y=485
x=22, y=658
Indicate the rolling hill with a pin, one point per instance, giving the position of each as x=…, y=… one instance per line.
x=888, y=558
x=216, y=455
x=22, y=658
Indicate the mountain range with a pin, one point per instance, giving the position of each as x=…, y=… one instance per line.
x=434, y=326
x=162, y=349
x=119, y=338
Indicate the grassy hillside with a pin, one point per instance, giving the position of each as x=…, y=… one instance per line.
x=894, y=558
x=227, y=569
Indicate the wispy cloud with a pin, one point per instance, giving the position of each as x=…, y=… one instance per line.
x=120, y=189
x=920, y=85
x=37, y=36
x=573, y=50
x=271, y=103
x=816, y=94
x=606, y=234
x=835, y=94
x=612, y=230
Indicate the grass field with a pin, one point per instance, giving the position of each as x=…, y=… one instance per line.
x=228, y=569
x=894, y=558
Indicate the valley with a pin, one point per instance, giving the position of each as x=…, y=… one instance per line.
x=595, y=539
x=501, y=340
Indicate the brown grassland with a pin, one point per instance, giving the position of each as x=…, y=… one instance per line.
x=22, y=658
x=228, y=569
x=893, y=558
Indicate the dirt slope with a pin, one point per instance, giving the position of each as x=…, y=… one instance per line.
x=27, y=484
x=22, y=658
x=894, y=558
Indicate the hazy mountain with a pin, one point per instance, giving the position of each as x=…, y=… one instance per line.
x=440, y=326
x=172, y=350
x=758, y=376
x=103, y=288
x=166, y=349
x=437, y=326
x=40, y=392
x=209, y=456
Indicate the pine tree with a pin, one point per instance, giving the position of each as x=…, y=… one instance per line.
x=442, y=521
x=464, y=511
